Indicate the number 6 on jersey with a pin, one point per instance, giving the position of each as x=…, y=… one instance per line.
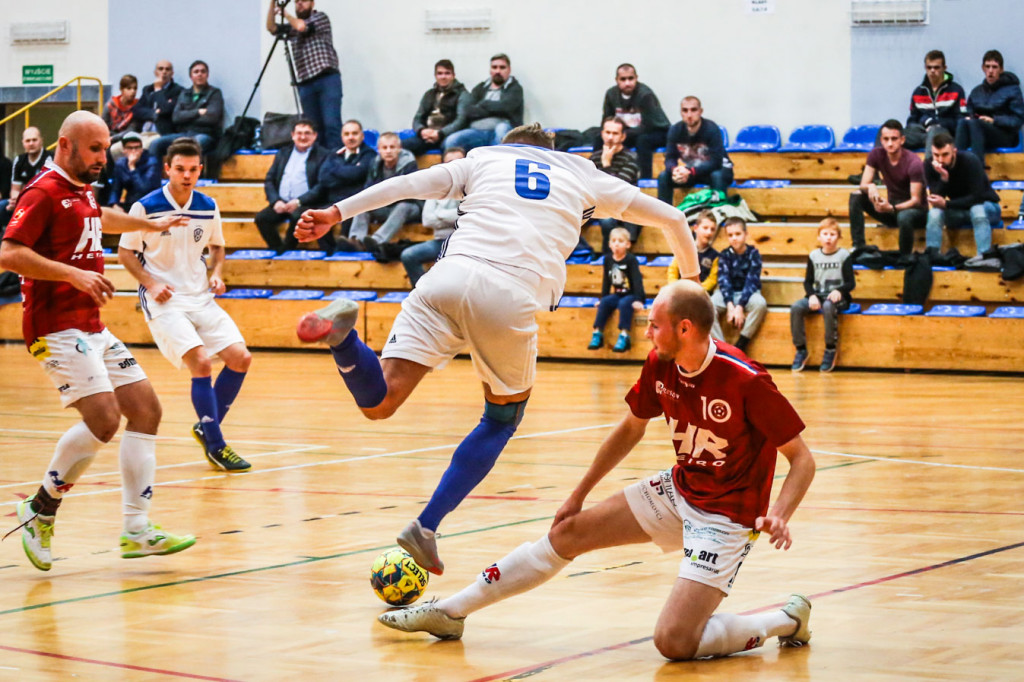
x=530, y=182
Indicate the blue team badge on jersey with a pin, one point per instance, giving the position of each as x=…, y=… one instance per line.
x=197, y=233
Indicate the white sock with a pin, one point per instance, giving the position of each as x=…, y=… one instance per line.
x=727, y=633
x=74, y=453
x=526, y=567
x=138, y=470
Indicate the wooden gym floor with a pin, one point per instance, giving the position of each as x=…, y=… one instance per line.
x=910, y=542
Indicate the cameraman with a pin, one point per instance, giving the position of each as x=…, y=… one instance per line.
x=316, y=65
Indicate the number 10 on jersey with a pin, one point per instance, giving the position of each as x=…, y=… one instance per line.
x=531, y=183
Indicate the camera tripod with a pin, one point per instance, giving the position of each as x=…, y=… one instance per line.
x=280, y=36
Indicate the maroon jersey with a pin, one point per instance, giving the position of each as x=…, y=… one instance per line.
x=59, y=220
x=727, y=421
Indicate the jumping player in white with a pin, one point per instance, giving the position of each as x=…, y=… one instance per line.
x=53, y=242
x=728, y=422
x=176, y=294
x=522, y=208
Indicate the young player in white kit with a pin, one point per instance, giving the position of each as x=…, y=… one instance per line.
x=729, y=423
x=176, y=293
x=522, y=208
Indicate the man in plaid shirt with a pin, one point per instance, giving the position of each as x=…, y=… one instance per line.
x=316, y=67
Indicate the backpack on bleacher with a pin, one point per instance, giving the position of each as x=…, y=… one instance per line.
x=1013, y=261
x=238, y=135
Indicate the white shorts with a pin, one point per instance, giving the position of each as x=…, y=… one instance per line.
x=81, y=364
x=460, y=303
x=176, y=332
x=714, y=547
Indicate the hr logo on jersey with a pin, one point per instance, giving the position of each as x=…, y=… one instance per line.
x=694, y=441
x=89, y=245
x=491, y=574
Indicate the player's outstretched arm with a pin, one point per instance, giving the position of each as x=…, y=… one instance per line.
x=798, y=480
x=315, y=223
x=21, y=259
x=619, y=443
x=645, y=210
x=118, y=222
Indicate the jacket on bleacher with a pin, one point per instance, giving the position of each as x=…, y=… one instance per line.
x=341, y=176
x=1002, y=101
x=163, y=99
x=187, y=118
x=945, y=106
x=443, y=109
x=272, y=183
x=508, y=106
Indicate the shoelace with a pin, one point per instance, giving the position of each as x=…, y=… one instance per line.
x=230, y=455
x=45, y=529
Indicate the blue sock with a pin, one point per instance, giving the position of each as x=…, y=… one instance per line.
x=472, y=460
x=229, y=383
x=205, y=403
x=359, y=367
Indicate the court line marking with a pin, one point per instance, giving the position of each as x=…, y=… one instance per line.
x=111, y=664
x=539, y=667
x=917, y=461
x=304, y=465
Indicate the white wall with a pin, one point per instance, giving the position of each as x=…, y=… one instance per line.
x=787, y=68
x=84, y=55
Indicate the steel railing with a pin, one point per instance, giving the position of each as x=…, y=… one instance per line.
x=77, y=80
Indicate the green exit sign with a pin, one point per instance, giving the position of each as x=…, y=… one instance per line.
x=37, y=73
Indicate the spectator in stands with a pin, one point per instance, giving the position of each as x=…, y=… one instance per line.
x=292, y=185
x=136, y=173
x=959, y=193
x=161, y=95
x=614, y=159
x=622, y=289
x=438, y=215
x=704, y=231
x=496, y=107
x=198, y=113
x=904, y=203
x=827, y=285
x=937, y=104
x=995, y=110
x=739, y=286
x=392, y=161
x=344, y=172
x=124, y=112
x=443, y=110
x=639, y=108
x=6, y=168
x=694, y=153
x=317, y=73
x=24, y=169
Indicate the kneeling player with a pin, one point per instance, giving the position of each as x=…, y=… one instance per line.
x=712, y=504
x=176, y=294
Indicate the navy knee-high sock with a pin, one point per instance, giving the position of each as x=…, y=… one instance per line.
x=205, y=403
x=226, y=388
x=361, y=370
x=472, y=460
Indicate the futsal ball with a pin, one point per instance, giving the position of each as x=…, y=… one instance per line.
x=397, y=579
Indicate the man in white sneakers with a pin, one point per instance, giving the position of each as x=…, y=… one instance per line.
x=176, y=293
x=53, y=242
x=522, y=208
x=728, y=423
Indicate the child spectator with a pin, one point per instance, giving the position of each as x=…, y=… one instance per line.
x=707, y=256
x=739, y=286
x=828, y=284
x=622, y=288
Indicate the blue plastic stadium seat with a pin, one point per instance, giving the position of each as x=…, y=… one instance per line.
x=853, y=309
x=297, y=295
x=244, y=152
x=956, y=311
x=1019, y=147
x=647, y=183
x=765, y=184
x=393, y=297
x=858, y=139
x=205, y=182
x=1014, y=312
x=578, y=150
x=578, y=302
x=1008, y=184
x=370, y=137
x=1016, y=225
x=577, y=260
x=406, y=134
x=660, y=262
x=642, y=260
x=350, y=255
x=268, y=152
x=352, y=295
x=725, y=136
x=810, y=138
x=301, y=254
x=251, y=254
x=757, y=139
x=894, y=309
x=248, y=293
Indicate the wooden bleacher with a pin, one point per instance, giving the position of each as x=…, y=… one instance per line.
x=818, y=189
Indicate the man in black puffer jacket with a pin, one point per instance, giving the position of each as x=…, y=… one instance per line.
x=995, y=110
